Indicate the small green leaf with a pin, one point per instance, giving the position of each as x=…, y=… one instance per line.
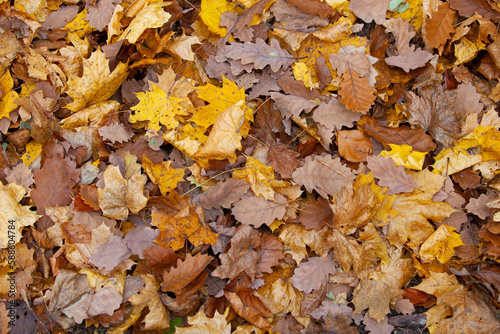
x=394, y=4
x=403, y=8
x=176, y=322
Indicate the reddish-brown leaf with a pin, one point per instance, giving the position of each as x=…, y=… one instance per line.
x=249, y=307
x=317, y=215
x=354, y=145
x=283, y=159
x=403, y=135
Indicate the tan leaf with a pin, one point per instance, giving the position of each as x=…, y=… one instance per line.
x=225, y=138
x=376, y=297
x=369, y=10
x=257, y=210
x=120, y=195
x=326, y=175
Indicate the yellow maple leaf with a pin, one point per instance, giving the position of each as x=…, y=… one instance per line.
x=440, y=245
x=219, y=98
x=403, y=155
x=259, y=176
x=8, y=96
x=97, y=83
x=211, y=12
x=163, y=174
x=79, y=25
x=409, y=213
x=482, y=144
x=150, y=16
x=184, y=225
x=157, y=107
x=13, y=216
x=225, y=138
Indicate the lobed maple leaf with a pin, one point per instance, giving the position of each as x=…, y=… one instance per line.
x=97, y=83
x=158, y=108
x=183, y=225
x=241, y=256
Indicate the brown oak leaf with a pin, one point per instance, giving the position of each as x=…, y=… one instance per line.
x=369, y=10
x=317, y=215
x=224, y=194
x=185, y=272
x=390, y=175
x=326, y=175
x=356, y=94
x=283, y=159
x=270, y=252
x=260, y=54
x=257, y=210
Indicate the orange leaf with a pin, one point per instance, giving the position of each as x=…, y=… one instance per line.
x=177, y=278
x=356, y=94
x=439, y=27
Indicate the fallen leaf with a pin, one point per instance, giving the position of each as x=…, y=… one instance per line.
x=97, y=83
x=326, y=175
x=391, y=176
x=440, y=245
x=257, y=210
x=120, y=195
x=184, y=225
x=355, y=92
x=241, y=256
x=225, y=137
x=184, y=273
x=313, y=273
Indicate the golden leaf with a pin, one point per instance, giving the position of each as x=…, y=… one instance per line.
x=151, y=16
x=440, y=245
x=158, y=317
x=156, y=107
x=219, y=99
x=163, y=175
x=259, y=176
x=13, y=216
x=225, y=138
x=185, y=224
x=97, y=83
